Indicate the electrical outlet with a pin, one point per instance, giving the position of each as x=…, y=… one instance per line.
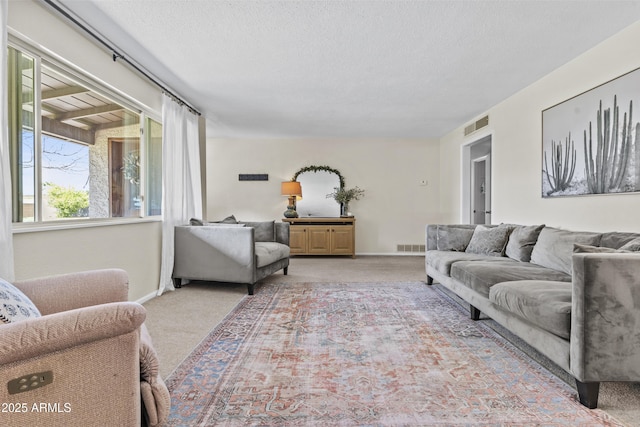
x=30, y=382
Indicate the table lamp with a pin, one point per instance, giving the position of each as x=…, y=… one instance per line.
x=293, y=190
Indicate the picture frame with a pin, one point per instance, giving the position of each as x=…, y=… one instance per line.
x=591, y=142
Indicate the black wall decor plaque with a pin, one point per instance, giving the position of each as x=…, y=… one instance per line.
x=253, y=177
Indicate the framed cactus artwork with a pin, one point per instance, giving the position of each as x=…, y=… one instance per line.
x=591, y=142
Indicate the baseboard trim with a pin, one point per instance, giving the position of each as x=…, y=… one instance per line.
x=147, y=297
x=390, y=254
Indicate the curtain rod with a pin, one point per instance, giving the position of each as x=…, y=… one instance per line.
x=118, y=56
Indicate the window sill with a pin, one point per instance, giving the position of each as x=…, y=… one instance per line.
x=32, y=227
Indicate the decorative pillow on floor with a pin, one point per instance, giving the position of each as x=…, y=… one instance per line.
x=14, y=305
x=489, y=240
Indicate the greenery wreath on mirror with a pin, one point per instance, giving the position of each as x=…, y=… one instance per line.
x=314, y=168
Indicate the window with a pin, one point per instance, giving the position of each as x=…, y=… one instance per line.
x=75, y=152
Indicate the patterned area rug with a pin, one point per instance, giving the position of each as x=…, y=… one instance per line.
x=383, y=354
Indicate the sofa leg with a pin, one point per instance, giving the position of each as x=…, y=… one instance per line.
x=177, y=283
x=429, y=280
x=286, y=270
x=251, y=288
x=474, y=312
x=588, y=393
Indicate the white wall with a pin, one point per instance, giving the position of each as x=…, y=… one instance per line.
x=134, y=247
x=516, y=128
x=395, y=207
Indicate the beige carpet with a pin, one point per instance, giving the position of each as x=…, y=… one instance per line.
x=179, y=320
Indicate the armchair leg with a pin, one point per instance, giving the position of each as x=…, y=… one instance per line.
x=286, y=270
x=251, y=288
x=177, y=282
x=588, y=393
x=429, y=280
x=474, y=312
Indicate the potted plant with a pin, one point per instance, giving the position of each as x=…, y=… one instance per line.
x=344, y=196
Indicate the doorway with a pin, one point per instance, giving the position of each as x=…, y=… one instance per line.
x=481, y=190
x=476, y=182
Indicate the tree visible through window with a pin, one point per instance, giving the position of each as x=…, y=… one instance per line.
x=76, y=153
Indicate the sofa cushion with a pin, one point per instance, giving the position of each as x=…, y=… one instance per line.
x=15, y=305
x=441, y=261
x=488, y=240
x=265, y=231
x=482, y=275
x=521, y=242
x=454, y=237
x=555, y=247
x=546, y=304
x=270, y=252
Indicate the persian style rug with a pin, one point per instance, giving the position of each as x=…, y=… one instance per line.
x=371, y=354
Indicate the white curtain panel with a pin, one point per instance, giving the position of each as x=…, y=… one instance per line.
x=181, y=185
x=6, y=234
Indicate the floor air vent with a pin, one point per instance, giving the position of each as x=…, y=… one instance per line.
x=410, y=248
x=478, y=124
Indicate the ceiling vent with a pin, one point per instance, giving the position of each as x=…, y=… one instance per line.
x=478, y=124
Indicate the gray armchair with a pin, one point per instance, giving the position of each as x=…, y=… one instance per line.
x=245, y=252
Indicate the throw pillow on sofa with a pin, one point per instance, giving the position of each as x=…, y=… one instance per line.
x=453, y=238
x=228, y=220
x=14, y=305
x=555, y=247
x=489, y=240
x=633, y=246
x=578, y=248
x=521, y=242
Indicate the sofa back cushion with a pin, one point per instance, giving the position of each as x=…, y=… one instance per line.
x=521, y=242
x=265, y=231
x=555, y=247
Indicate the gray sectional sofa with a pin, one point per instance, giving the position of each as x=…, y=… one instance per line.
x=230, y=251
x=573, y=296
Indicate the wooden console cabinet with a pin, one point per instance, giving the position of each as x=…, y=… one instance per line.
x=322, y=236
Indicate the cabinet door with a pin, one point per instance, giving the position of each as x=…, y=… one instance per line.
x=298, y=240
x=319, y=239
x=342, y=240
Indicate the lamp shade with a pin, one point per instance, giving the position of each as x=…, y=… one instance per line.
x=291, y=188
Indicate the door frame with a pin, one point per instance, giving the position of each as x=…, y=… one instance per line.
x=480, y=142
x=485, y=185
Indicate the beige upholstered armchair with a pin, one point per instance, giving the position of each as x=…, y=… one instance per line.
x=81, y=358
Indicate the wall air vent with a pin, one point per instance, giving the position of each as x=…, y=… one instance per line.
x=478, y=124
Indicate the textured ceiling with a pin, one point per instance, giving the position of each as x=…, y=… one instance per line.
x=352, y=69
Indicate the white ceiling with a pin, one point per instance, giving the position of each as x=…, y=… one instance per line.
x=350, y=69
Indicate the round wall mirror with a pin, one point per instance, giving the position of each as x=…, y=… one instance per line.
x=317, y=182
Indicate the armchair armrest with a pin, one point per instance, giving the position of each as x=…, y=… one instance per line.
x=75, y=290
x=93, y=355
x=59, y=331
x=605, y=317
